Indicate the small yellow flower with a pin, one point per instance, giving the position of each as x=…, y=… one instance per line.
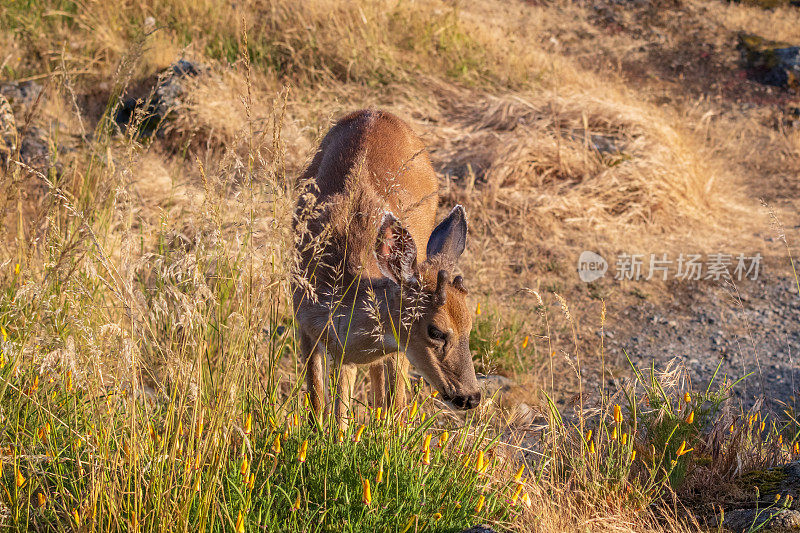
x=479, y=505
x=780, y=440
x=525, y=342
x=443, y=439
x=516, y=494
x=422, y=418
x=359, y=431
x=245, y=469
x=20, y=479
x=276, y=445
x=796, y=448
x=239, y=523
x=478, y=309
x=682, y=450
x=301, y=456
x=426, y=457
x=413, y=411
x=480, y=467
x=690, y=418
x=4, y=333
x=434, y=394
x=437, y=516
x=687, y=398
x=248, y=424
x=763, y=425
x=76, y=517
x=633, y=455
x=617, y=414
x=296, y=504
x=624, y=439
x=251, y=481
x=41, y=499
x=16, y=269
x=614, y=433
x=426, y=445
x=526, y=499
x=367, y=493
x=518, y=475
x=591, y=446
x=378, y=412
x=340, y=438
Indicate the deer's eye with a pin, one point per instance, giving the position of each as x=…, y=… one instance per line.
x=436, y=334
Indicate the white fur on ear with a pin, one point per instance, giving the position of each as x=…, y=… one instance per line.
x=395, y=251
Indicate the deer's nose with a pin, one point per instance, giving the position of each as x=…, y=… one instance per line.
x=467, y=401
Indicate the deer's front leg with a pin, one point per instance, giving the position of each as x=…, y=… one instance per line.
x=396, y=378
x=314, y=358
x=344, y=393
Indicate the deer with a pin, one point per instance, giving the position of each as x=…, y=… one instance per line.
x=375, y=283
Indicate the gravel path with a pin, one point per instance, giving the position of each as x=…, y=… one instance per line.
x=757, y=334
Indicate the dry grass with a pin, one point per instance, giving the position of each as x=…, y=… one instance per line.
x=148, y=264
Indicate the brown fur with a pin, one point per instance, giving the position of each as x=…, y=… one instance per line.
x=369, y=164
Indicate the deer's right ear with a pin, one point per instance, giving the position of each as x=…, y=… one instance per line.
x=395, y=251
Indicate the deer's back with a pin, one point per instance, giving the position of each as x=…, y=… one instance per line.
x=369, y=162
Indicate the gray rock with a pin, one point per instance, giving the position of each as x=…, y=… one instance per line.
x=21, y=95
x=483, y=528
x=168, y=96
x=770, y=62
x=774, y=519
x=493, y=383
x=8, y=131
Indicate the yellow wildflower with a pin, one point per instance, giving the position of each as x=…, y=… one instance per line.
x=301, y=456
x=478, y=309
x=76, y=517
x=516, y=494
x=618, y=414
x=690, y=418
x=426, y=445
x=633, y=455
x=359, y=431
x=591, y=446
x=479, y=505
x=443, y=439
x=20, y=479
x=248, y=424
x=526, y=499
x=687, y=398
x=239, y=523
x=379, y=475
x=588, y=435
x=378, y=412
x=412, y=411
x=614, y=433
x=525, y=342
x=426, y=457
x=682, y=450
x=624, y=439
x=437, y=516
x=480, y=467
x=41, y=499
x=251, y=481
x=367, y=493
x=296, y=504
x=3, y=333
x=276, y=445
x=245, y=470
x=518, y=475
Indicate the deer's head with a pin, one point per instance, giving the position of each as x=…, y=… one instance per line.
x=434, y=320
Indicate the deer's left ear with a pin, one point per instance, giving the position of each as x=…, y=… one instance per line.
x=395, y=251
x=449, y=238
